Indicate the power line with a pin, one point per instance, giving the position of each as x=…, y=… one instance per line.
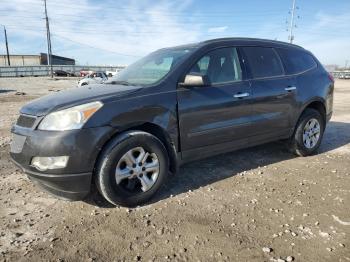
x=119, y=27
x=113, y=25
x=147, y=11
x=184, y=18
x=94, y=47
x=97, y=31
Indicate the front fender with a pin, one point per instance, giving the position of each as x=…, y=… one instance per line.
x=158, y=109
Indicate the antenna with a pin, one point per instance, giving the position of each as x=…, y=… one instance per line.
x=48, y=36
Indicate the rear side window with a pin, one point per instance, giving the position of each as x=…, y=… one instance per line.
x=263, y=62
x=296, y=61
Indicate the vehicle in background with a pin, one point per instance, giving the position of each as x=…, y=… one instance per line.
x=176, y=105
x=344, y=76
x=85, y=72
x=62, y=73
x=111, y=73
x=94, y=78
x=341, y=74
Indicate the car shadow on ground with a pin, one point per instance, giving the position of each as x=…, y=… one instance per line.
x=204, y=172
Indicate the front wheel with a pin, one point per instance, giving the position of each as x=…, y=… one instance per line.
x=132, y=168
x=308, y=133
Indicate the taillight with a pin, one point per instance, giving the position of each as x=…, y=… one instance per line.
x=331, y=77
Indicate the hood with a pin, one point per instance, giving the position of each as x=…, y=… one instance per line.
x=76, y=96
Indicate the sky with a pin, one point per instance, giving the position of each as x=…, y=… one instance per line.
x=118, y=32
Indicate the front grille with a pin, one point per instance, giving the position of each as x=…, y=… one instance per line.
x=26, y=121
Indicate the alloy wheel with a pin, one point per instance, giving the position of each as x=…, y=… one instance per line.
x=137, y=170
x=311, y=133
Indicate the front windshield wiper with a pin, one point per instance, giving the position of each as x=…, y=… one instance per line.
x=119, y=82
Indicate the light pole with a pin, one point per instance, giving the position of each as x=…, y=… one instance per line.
x=291, y=36
x=7, y=47
x=48, y=36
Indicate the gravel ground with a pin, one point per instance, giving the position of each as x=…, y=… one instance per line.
x=257, y=204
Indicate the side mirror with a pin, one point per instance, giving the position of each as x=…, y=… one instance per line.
x=195, y=79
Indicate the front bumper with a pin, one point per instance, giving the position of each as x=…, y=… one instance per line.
x=65, y=186
x=82, y=146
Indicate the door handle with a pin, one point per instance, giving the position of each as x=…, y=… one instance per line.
x=241, y=95
x=290, y=88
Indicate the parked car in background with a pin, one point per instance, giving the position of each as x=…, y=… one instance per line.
x=94, y=78
x=173, y=106
x=111, y=73
x=62, y=73
x=344, y=76
x=85, y=72
x=341, y=74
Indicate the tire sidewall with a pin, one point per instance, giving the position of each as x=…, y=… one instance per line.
x=307, y=115
x=105, y=177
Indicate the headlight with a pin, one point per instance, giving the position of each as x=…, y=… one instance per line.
x=71, y=118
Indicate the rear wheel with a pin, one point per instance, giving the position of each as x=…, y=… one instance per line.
x=308, y=133
x=132, y=169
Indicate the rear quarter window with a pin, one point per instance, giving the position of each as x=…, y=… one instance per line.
x=296, y=61
x=263, y=62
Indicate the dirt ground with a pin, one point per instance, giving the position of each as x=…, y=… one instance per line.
x=257, y=204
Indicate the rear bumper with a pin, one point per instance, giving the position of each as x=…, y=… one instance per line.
x=64, y=186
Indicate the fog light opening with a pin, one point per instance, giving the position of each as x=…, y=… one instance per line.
x=52, y=162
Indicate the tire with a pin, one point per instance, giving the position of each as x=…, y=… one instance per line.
x=298, y=143
x=130, y=191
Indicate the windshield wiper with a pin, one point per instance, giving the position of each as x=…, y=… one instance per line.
x=116, y=82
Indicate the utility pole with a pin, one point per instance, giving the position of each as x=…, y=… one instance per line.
x=48, y=36
x=291, y=27
x=346, y=64
x=7, y=47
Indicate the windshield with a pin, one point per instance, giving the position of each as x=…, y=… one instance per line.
x=150, y=69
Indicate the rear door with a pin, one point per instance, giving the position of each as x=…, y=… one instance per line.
x=273, y=93
x=220, y=112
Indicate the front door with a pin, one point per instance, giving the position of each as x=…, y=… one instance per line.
x=218, y=113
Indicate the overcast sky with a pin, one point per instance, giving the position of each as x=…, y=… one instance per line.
x=111, y=32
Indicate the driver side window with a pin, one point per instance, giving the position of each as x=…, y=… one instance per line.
x=220, y=66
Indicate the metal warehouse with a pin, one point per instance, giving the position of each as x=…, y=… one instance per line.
x=34, y=60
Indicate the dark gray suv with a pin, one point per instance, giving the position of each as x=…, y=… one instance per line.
x=175, y=105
